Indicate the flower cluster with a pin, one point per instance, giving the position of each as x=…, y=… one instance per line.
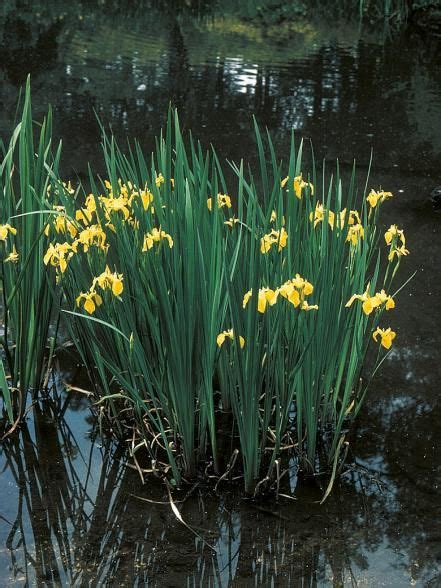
x=59, y=254
x=5, y=230
x=106, y=281
x=397, y=241
x=294, y=291
x=62, y=224
x=370, y=303
x=87, y=231
x=355, y=230
x=376, y=302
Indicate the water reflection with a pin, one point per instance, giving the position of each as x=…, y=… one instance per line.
x=70, y=516
x=346, y=90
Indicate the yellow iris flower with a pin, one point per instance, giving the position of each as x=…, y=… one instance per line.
x=232, y=221
x=295, y=290
x=278, y=238
x=220, y=339
x=109, y=280
x=393, y=236
x=370, y=303
x=159, y=180
x=264, y=297
x=119, y=204
x=91, y=301
x=223, y=200
x=85, y=214
x=59, y=254
x=298, y=185
x=387, y=336
x=320, y=212
x=146, y=198
x=377, y=197
x=273, y=218
x=92, y=235
x=156, y=236
x=355, y=232
x=5, y=230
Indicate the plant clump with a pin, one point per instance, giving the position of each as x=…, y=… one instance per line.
x=196, y=307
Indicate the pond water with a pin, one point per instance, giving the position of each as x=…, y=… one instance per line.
x=70, y=512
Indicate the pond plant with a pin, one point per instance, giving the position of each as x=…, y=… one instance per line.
x=27, y=285
x=224, y=326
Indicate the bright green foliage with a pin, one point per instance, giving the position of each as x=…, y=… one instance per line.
x=27, y=285
x=153, y=274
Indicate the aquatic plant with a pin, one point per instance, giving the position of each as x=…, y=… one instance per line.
x=218, y=322
x=28, y=288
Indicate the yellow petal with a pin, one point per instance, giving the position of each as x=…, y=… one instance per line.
x=308, y=289
x=246, y=297
x=117, y=287
x=367, y=306
x=294, y=298
x=390, y=303
x=89, y=306
x=261, y=304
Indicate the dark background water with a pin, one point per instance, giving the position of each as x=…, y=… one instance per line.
x=67, y=511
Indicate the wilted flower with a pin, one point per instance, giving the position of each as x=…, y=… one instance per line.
x=306, y=306
x=13, y=256
x=231, y=221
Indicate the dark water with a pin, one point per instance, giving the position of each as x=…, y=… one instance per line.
x=67, y=511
